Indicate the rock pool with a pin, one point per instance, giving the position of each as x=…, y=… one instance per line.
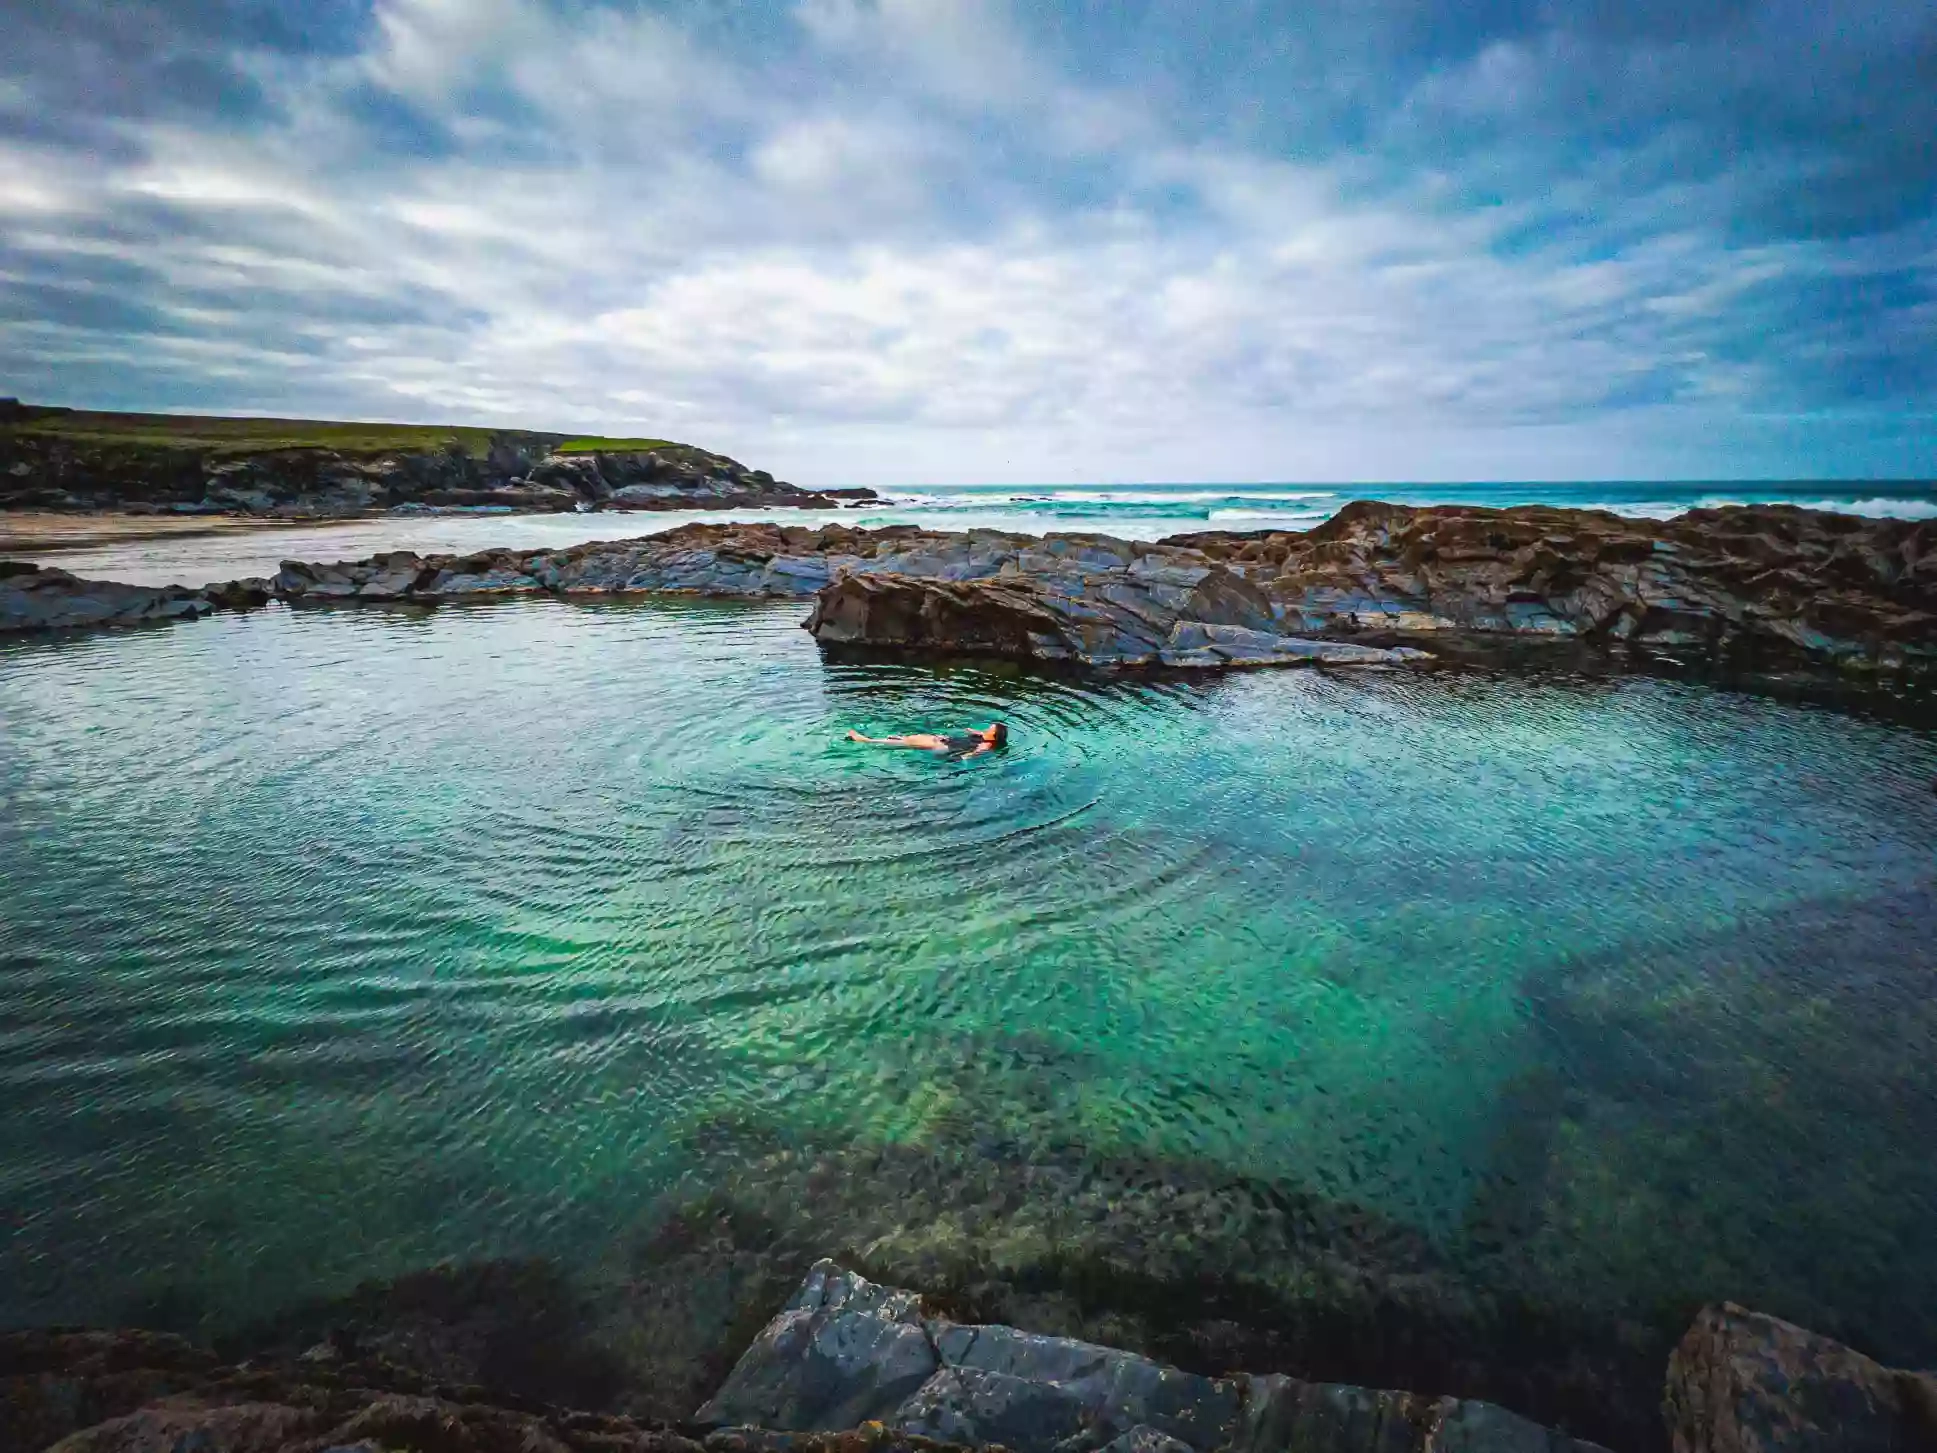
x=336, y=944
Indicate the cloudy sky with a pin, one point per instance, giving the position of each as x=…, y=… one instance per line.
x=878, y=241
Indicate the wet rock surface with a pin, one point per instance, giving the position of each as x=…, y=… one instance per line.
x=845, y=1351
x=852, y=1366
x=1743, y=1382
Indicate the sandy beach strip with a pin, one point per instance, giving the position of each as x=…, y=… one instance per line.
x=43, y=532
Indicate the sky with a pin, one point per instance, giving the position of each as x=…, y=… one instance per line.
x=953, y=241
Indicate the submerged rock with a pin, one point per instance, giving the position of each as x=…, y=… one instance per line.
x=1743, y=1382
x=845, y=1352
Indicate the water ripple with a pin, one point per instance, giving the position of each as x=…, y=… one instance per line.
x=333, y=943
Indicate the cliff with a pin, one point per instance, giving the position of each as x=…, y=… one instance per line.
x=72, y=460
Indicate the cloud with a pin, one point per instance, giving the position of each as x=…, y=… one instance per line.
x=887, y=239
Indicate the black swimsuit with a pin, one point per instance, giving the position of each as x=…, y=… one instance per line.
x=960, y=744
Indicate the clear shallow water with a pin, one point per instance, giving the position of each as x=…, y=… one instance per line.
x=1138, y=512
x=333, y=944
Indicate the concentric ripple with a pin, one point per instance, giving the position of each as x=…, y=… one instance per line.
x=333, y=944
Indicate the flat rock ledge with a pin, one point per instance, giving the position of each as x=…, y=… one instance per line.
x=845, y=1353
x=1761, y=588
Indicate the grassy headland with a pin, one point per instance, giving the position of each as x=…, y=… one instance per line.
x=240, y=437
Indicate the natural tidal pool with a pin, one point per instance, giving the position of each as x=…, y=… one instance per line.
x=334, y=944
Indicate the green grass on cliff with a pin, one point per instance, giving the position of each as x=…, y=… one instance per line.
x=596, y=445
x=233, y=436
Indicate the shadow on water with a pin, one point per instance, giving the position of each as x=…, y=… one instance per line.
x=1736, y=1115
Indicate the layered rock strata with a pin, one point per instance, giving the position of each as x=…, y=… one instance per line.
x=1717, y=584
x=1759, y=588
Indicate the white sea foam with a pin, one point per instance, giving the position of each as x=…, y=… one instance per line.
x=1300, y=518
x=1883, y=507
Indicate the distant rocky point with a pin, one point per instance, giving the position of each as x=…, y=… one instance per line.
x=67, y=459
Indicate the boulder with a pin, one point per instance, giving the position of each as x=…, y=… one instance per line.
x=1743, y=1382
x=982, y=617
x=845, y=1352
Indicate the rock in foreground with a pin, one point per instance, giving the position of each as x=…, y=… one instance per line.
x=845, y=1352
x=139, y=1392
x=1742, y=1382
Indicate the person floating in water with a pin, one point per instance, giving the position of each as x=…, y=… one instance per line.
x=951, y=744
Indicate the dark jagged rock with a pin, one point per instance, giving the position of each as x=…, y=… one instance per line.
x=845, y=1351
x=1748, y=585
x=1742, y=1382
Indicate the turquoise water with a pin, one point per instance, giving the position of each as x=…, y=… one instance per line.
x=333, y=944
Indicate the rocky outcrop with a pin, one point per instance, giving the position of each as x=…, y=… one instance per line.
x=36, y=599
x=1086, y=599
x=1750, y=586
x=845, y=1352
x=1757, y=590
x=1742, y=1382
